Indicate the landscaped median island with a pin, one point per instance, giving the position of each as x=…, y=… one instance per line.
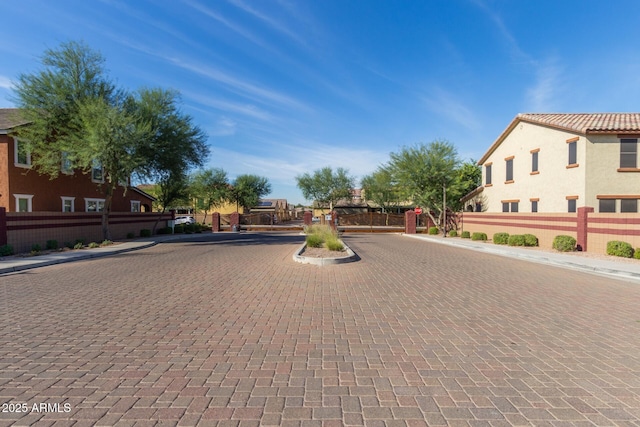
x=322, y=246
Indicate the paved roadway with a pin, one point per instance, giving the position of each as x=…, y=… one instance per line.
x=228, y=330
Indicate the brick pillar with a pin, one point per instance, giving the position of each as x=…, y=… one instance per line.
x=582, y=224
x=3, y=227
x=234, y=220
x=410, y=222
x=308, y=218
x=334, y=221
x=215, y=222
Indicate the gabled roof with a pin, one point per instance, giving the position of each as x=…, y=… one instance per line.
x=10, y=118
x=142, y=192
x=580, y=123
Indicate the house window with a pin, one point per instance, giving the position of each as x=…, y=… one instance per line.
x=534, y=162
x=22, y=156
x=93, y=205
x=65, y=165
x=487, y=174
x=509, y=176
x=629, y=205
x=571, y=205
x=573, y=153
x=24, y=202
x=135, y=206
x=96, y=171
x=510, y=205
x=607, y=205
x=629, y=153
x=68, y=204
x=534, y=206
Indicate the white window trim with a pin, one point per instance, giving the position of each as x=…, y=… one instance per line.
x=101, y=181
x=62, y=168
x=15, y=156
x=71, y=199
x=136, y=202
x=87, y=201
x=29, y=198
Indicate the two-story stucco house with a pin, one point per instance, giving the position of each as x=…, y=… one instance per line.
x=560, y=162
x=22, y=189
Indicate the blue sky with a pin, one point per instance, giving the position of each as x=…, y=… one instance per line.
x=284, y=87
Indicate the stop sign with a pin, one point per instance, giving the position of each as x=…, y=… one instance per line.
x=418, y=210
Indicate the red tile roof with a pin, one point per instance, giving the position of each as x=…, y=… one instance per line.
x=582, y=123
x=586, y=123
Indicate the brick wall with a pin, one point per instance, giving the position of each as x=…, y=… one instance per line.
x=23, y=229
x=600, y=228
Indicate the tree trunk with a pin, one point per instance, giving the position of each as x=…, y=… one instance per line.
x=106, y=233
x=158, y=220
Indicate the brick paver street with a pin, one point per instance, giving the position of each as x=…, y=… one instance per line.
x=228, y=330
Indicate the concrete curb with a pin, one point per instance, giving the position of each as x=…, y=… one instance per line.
x=351, y=256
x=55, y=259
x=537, y=258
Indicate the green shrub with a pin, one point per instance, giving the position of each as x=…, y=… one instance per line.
x=106, y=243
x=516, y=240
x=479, y=236
x=618, y=248
x=94, y=245
x=189, y=228
x=164, y=230
x=314, y=241
x=198, y=228
x=145, y=232
x=564, y=243
x=131, y=235
x=6, y=250
x=78, y=245
x=530, y=240
x=636, y=253
x=52, y=245
x=333, y=244
x=466, y=235
x=36, y=248
x=501, y=238
x=433, y=230
x=453, y=233
x=83, y=241
x=178, y=228
x=68, y=245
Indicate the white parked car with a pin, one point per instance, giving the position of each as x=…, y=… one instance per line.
x=185, y=220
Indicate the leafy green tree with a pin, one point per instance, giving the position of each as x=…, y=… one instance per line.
x=326, y=187
x=380, y=189
x=210, y=187
x=75, y=113
x=246, y=190
x=175, y=146
x=468, y=178
x=424, y=173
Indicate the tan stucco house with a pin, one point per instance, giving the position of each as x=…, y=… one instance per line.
x=560, y=162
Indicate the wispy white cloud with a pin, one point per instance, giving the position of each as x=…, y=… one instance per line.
x=542, y=96
x=271, y=22
x=244, y=109
x=5, y=82
x=224, y=126
x=447, y=105
x=236, y=28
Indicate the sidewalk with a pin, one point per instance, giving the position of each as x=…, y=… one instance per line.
x=607, y=267
x=12, y=264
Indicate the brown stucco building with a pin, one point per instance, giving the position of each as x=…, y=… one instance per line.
x=22, y=189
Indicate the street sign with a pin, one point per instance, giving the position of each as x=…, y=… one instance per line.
x=418, y=211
